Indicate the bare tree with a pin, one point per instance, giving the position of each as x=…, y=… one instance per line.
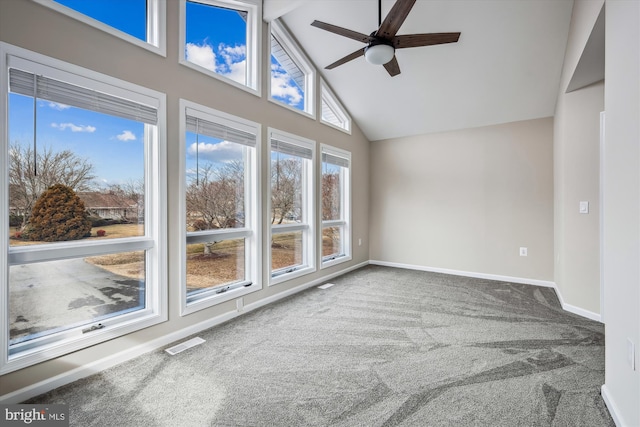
x=331, y=196
x=30, y=175
x=129, y=193
x=286, y=189
x=216, y=198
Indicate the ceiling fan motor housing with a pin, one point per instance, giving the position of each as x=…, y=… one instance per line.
x=379, y=52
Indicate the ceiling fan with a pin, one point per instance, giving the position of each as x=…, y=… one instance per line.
x=382, y=43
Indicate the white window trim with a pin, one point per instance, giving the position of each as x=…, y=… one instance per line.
x=330, y=98
x=308, y=227
x=298, y=56
x=252, y=233
x=345, y=202
x=254, y=42
x=155, y=226
x=155, y=25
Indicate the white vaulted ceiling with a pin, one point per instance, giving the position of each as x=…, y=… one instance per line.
x=505, y=67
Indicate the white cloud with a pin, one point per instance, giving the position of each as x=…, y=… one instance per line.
x=229, y=61
x=232, y=54
x=126, y=135
x=235, y=62
x=237, y=71
x=223, y=151
x=283, y=88
x=73, y=127
x=57, y=106
x=201, y=55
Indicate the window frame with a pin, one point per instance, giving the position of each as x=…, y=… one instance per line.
x=153, y=241
x=155, y=25
x=308, y=227
x=328, y=97
x=252, y=233
x=253, y=8
x=345, y=208
x=297, y=55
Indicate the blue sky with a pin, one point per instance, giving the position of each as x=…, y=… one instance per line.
x=90, y=135
x=216, y=38
x=126, y=15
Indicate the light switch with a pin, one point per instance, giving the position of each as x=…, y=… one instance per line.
x=584, y=207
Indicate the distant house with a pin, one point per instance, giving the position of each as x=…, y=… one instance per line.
x=110, y=205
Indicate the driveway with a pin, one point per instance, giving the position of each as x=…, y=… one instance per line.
x=50, y=296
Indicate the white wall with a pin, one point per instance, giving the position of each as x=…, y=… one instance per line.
x=577, y=173
x=32, y=26
x=466, y=200
x=576, y=179
x=622, y=209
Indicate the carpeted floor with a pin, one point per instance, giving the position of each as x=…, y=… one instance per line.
x=383, y=347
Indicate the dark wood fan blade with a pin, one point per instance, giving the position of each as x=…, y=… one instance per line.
x=342, y=31
x=392, y=67
x=358, y=53
x=395, y=19
x=417, y=40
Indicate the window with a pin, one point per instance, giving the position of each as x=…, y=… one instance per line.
x=222, y=39
x=84, y=247
x=220, y=182
x=336, y=213
x=333, y=113
x=141, y=22
x=291, y=207
x=292, y=75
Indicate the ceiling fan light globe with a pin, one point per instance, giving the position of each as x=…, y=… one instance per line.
x=379, y=54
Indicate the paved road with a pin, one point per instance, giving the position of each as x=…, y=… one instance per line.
x=55, y=294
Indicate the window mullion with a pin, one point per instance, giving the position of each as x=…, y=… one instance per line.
x=208, y=236
x=287, y=228
x=26, y=255
x=333, y=223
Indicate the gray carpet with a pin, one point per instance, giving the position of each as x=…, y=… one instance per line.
x=383, y=347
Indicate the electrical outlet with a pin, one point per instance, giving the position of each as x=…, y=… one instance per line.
x=359, y=242
x=631, y=354
x=523, y=251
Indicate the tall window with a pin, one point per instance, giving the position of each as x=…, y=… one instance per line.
x=141, y=22
x=291, y=207
x=333, y=113
x=292, y=75
x=85, y=206
x=221, y=206
x=336, y=214
x=222, y=38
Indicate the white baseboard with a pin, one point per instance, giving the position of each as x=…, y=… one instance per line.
x=107, y=362
x=292, y=291
x=577, y=310
x=567, y=307
x=496, y=277
x=581, y=311
x=611, y=406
